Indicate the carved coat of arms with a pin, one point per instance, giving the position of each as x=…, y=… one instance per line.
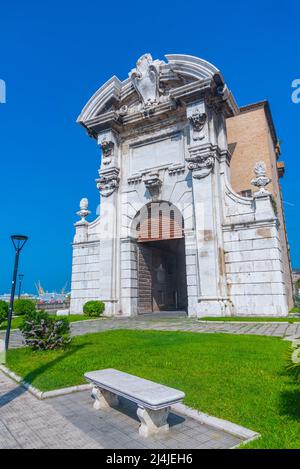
x=145, y=79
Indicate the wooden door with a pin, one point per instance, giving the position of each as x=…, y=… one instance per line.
x=164, y=290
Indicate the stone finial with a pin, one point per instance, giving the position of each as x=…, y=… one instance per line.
x=261, y=180
x=83, y=212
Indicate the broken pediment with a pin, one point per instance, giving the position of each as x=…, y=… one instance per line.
x=152, y=83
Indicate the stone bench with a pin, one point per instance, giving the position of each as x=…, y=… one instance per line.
x=153, y=400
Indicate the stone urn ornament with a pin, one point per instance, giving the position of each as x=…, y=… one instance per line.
x=261, y=180
x=83, y=212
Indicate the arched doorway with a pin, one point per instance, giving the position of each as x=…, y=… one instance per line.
x=161, y=269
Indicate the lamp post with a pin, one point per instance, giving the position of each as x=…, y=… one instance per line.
x=21, y=276
x=18, y=242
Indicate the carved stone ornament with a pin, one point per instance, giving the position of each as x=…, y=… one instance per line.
x=198, y=120
x=108, y=181
x=83, y=212
x=261, y=180
x=153, y=183
x=123, y=111
x=107, y=151
x=145, y=79
x=201, y=164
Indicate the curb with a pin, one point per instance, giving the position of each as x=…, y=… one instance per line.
x=284, y=323
x=291, y=338
x=221, y=424
x=40, y=394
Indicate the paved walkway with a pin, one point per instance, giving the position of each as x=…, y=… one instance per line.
x=179, y=323
x=71, y=422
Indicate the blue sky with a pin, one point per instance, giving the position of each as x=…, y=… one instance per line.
x=54, y=55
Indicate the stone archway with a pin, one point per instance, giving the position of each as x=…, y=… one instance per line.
x=161, y=269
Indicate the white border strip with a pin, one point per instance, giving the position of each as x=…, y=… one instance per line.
x=229, y=427
x=40, y=394
x=285, y=323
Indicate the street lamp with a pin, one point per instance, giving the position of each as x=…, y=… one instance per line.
x=21, y=276
x=18, y=242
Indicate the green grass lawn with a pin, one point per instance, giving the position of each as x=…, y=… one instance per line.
x=249, y=319
x=17, y=321
x=239, y=378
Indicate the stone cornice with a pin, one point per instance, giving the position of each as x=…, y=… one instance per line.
x=248, y=224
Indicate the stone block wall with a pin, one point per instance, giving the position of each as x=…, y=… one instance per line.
x=254, y=270
x=85, y=275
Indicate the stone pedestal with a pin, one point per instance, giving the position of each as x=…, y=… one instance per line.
x=104, y=398
x=153, y=421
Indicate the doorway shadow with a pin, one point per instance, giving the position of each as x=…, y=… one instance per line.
x=28, y=378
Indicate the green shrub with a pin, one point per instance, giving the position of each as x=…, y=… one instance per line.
x=44, y=332
x=4, y=308
x=94, y=308
x=23, y=306
x=297, y=300
x=293, y=364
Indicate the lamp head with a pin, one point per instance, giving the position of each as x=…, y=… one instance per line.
x=19, y=241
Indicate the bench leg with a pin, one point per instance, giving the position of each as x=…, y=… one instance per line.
x=153, y=421
x=103, y=398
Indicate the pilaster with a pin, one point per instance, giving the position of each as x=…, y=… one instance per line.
x=203, y=159
x=108, y=184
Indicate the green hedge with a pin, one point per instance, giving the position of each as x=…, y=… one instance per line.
x=23, y=306
x=94, y=308
x=4, y=307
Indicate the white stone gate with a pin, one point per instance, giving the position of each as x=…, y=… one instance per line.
x=162, y=133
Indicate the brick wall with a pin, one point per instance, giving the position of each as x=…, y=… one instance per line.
x=252, y=138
